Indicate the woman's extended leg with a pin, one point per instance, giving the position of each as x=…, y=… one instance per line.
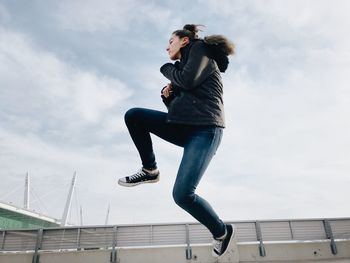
x=198, y=151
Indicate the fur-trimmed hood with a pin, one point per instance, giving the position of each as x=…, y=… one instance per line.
x=219, y=48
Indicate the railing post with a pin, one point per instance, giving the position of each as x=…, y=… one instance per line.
x=260, y=239
x=188, y=249
x=151, y=234
x=78, y=239
x=113, y=257
x=3, y=240
x=329, y=234
x=291, y=229
x=39, y=239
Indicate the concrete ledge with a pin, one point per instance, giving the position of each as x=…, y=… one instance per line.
x=305, y=252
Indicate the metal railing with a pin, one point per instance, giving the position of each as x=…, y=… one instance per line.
x=112, y=237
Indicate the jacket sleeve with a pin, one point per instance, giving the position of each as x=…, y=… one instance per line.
x=194, y=72
x=166, y=100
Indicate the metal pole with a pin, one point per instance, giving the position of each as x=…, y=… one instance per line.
x=3, y=240
x=78, y=239
x=291, y=229
x=39, y=239
x=259, y=237
x=113, y=257
x=329, y=234
x=188, y=249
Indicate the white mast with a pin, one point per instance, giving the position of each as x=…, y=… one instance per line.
x=26, y=192
x=69, y=201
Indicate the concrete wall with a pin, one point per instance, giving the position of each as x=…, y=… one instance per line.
x=305, y=252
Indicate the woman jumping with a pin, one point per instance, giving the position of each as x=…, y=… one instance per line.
x=194, y=121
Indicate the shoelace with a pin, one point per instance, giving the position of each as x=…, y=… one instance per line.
x=217, y=245
x=140, y=173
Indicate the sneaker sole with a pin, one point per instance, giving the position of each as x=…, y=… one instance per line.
x=135, y=184
x=228, y=245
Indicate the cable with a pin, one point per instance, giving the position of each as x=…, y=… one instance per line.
x=54, y=190
x=11, y=192
x=38, y=198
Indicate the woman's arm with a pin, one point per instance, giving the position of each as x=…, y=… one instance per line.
x=195, y=71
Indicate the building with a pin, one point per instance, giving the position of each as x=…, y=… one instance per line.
x=17, y=218
x=13, y=217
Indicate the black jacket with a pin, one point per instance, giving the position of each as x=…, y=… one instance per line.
x=197, y=86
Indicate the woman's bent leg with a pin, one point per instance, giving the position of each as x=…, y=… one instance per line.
x=140, y=123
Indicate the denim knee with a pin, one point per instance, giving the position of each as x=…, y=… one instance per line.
x=183, y=198
x=131, y=115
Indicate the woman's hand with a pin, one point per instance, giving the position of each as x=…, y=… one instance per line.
x=167, y=90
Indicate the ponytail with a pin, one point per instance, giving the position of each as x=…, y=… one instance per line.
x=219, y=47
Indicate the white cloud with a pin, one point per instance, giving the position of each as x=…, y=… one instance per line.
x=266, y=197
x=292, y=124
x=286, y=97
x=46, y=104
x=287, y=105
x=46, y=85
x=51, y=165
x=121, y=15
x=260, y=24
x=4, y=14
x=95, y=95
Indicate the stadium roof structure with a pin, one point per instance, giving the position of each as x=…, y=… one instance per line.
x=13, y=217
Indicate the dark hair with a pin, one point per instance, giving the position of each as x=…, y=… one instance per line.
x=219, y=47
x=223, y=43
x=189, y=30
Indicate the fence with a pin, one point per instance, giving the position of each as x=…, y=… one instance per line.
x=111, y=237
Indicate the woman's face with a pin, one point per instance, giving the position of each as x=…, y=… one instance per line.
x=175, y=43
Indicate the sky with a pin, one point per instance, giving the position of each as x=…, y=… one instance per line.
x=69, y=70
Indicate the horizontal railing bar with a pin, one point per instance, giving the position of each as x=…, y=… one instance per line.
x=183, y=224
x=168, y=233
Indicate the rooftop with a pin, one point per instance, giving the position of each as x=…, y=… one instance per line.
x=12, y=216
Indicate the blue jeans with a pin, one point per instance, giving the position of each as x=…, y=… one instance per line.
x=200, y=144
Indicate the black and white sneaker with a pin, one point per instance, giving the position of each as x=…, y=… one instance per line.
x=220, y=245
x=142, y=176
